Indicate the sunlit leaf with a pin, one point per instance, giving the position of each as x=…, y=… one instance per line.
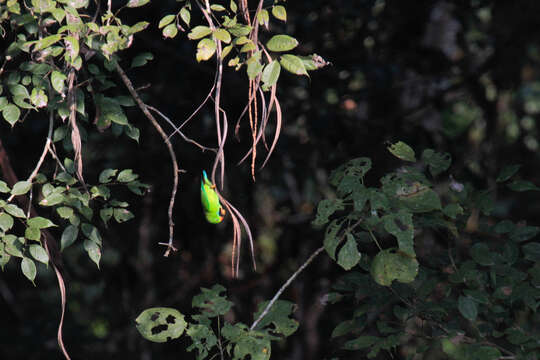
x=293, y=64
x=28, y=268
x=280, y=43
x=402, y=151
x=279, y=12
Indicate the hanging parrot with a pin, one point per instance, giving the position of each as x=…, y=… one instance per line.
x=213, y=210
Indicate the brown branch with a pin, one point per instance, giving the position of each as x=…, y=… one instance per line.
x=149, y=116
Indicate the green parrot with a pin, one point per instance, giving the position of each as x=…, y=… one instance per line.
x=213, y=210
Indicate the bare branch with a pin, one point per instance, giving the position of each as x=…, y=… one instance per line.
x=145, y=109
x=287, y=283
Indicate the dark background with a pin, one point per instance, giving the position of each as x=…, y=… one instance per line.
x=456, y=76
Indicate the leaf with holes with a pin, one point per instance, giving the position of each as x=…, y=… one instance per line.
x=437, y=162
x=252, y=344
x=400, y=225
x=211, y=302
x=161, y=324
x=277, y=320
x=39, y=98
x=326, y=208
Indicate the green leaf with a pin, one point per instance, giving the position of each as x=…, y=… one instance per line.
x=217, y=7
x=233, y=6
x=11, y=114
x=170, y=31
x=211, y=302
x=137, y=3
x=91, y=232
x=72, y=48
x=422, y=199
x=205, y=49
x=4, y=188
x=270, y=74
x=400, y=225
x=481, y=254
x=326, y=208
x=277, y=320
x=254, y=66
x=361, y=342
x=222, y=35
x=531, y=251
x=39, y=253
x=14, y=210
x=524, y=233
x=4, y=256
x=127, y=175
x=38, y=98
x=452, y=210
x=203, y=339
x=47, y=41
x=239, y=30
x=198, y=32
x=32, y=233
x=141, y=59
x=122, y=215
x=293, y=64
x=185, y=15
x=389, y=265
x=106, y=214
x=349, y=255
x=106, y=175
x=253, y=345
x=402, y=151
x=57, y=81
x=344, y=328
x=64, y=212
x=13, y=246
x=93, y=250
x=53, y=199
x=522, y=185
x=39, y=222
x=331, y=240
x=279, y=12
x=28, y=268
x=507, y=172
x=6, y=222
x=161, y=324
x=280, y=43
x=263, y=18
x=467, y=307
x=437, y=162
x=166, y=20
x=21, y=187
x=68, y=236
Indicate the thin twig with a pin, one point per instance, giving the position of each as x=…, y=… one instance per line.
x=177, y=130
x=144, y=108
x=287, y=283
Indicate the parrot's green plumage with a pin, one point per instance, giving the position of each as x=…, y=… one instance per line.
x=213, y=210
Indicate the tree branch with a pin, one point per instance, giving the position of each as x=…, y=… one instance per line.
x=145, y=109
